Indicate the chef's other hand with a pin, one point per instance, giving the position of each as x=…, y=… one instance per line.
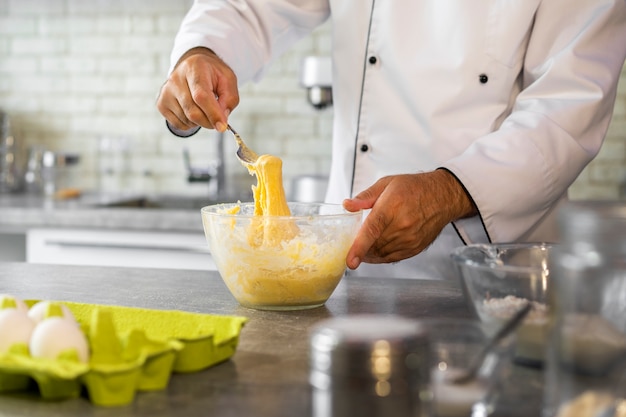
x=200, y=91
x=408, y=213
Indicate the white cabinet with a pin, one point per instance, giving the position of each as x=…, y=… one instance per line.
x=104, y=247
x=12, y=246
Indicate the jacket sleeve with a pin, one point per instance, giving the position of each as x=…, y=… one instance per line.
x=518, y=174
x=247, y=35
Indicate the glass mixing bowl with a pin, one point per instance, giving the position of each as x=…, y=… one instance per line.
x=498, y=279
x=280, y=262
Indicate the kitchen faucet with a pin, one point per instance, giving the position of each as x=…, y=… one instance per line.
x=215, y=172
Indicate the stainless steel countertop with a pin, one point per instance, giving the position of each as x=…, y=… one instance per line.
x=268, y=375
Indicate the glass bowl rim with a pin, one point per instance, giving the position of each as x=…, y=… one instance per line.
x=344, y=214
x=458, y=255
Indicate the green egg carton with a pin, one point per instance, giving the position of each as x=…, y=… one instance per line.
x=131, y=350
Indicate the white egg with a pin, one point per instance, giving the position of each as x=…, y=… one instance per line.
x=15, y=327
x=55, y=335
x=9, y=300
x=38, y=312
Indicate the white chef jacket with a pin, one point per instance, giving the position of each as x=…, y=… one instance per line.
x=513, y=97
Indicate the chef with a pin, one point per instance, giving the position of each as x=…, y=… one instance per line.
x=454, y=121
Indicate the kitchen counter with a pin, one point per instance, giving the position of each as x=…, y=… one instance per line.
x=19, y=212
x=28, y=222
x=268, y=375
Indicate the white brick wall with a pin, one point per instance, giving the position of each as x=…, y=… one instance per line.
x=74, y=70
x=605, y=176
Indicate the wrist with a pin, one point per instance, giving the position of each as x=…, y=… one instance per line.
x=198, y=50
x=461, y=204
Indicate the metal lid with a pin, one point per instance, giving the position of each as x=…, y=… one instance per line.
x=366, y=345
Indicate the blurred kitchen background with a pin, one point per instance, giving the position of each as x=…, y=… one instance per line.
x=80, y=77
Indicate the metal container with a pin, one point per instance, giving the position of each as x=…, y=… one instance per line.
x=33, y=177
x=369, y=365
x=9, y=170
x=316, y=76
x=309, y=188
x=59, y=171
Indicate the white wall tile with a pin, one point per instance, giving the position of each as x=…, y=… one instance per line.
x=124, y=65
x=41, y=46
x=70, y=105
x=50, y=25
x=36, y=85
x=5, y=43
x=35, y=7
x=18, y=26
x=168, y=23
x=19, y=64
x=94, y=45
x=68, y=65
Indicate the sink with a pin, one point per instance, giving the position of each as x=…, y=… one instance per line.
x=171, y=201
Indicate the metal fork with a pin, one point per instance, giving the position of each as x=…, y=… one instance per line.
x=504, y=331
x=245, y=155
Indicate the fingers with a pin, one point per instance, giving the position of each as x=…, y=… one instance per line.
x=366, y=199
x=169, y=107
x=198, y=99
x=177, y=120
x=201, y=91
x=380, y=240
x=392, y=250
x=403, y=220
x=354, y=204
x=373, y=225
x=371, y=230
x=213, y=90
x=228, y=99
